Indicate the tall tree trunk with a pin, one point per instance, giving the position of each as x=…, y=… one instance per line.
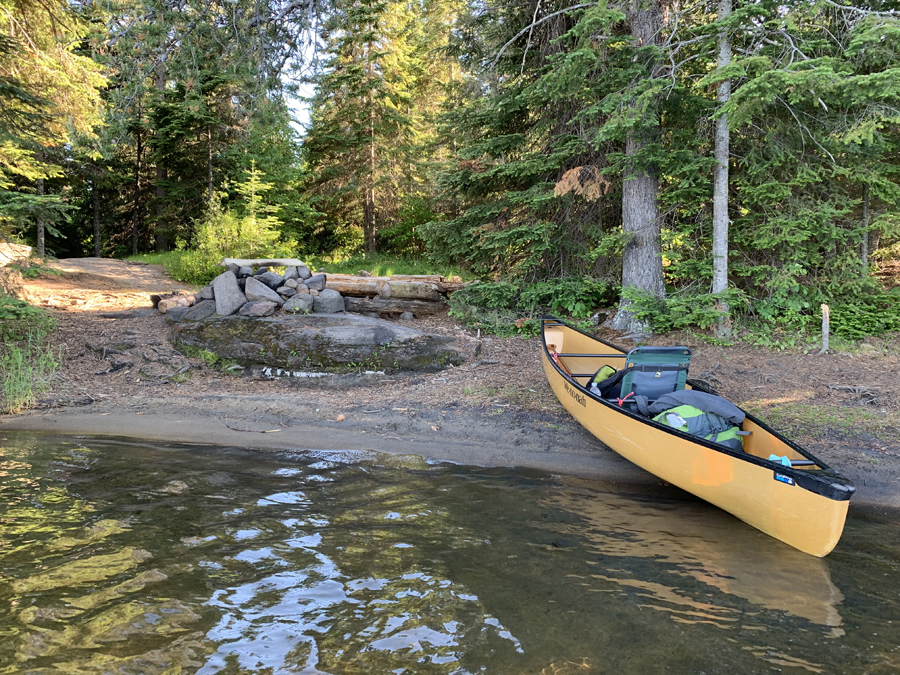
x=136, y=212
x=864, y=243
x=39, y=189
x=160, y=235
x=95, y=207
x=642, y=257
x=720, y=181
x=369, y=199
x=369, y=206
x=209, y=168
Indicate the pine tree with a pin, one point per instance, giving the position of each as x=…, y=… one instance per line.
x=370, y=141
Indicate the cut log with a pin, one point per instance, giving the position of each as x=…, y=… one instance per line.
x=393, y=306
x=383, y=287
x=361, y=286
x=256, y=262
x=414, y=290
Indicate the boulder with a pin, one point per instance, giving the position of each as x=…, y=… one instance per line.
x=407, y=316
x=261, y=270
x=271, y=279
x=300, y=341
x=245, y=271
x=328, y=302
x=177, y=313
x=231, y=267
x=303, y=272
x=259, y=308
x=316, y=283
x=178, y=301
x=229, y=297
x=291, y=283
x=286, y=291
x=257, y=290
x=291, y=273
x=299, y=304
x=200, y=311
x=207, y=293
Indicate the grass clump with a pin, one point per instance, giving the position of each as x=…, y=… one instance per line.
x=27, y=364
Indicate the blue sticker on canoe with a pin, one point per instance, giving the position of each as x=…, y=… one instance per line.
x=781, y=478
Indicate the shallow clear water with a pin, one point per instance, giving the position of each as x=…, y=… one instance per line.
x=127, y=558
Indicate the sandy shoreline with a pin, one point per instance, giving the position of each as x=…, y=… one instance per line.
x=464, y=437
x=518, y=439
x=496, y=410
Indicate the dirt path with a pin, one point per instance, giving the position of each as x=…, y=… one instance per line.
x=121, y=376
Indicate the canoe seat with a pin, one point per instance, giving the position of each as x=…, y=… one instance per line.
x=655, y=371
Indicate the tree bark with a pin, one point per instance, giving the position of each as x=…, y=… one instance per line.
x=160, y=235
x=136, y=209
x=209, y=168
x=864, y=243
x=720, y=181
x=642, y=257
x=369, y=199
x=39, y=189
x=95, y=207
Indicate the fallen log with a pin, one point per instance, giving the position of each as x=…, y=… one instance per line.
x=383, y=287
x=393, y=306
x=371, y=285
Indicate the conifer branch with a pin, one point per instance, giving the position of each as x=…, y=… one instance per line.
x=536, y=23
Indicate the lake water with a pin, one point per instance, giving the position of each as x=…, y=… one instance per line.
x=130, y=558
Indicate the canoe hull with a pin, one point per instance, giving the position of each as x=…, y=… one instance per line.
x=752, y=492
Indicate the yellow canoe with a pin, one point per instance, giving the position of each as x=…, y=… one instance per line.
x=804, y=506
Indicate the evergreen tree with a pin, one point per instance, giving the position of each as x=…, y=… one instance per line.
x=369, y=147
x=48, y=95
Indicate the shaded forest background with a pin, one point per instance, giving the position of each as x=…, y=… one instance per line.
x=567, y=154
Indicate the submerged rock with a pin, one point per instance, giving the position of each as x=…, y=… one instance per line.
x=302, y=341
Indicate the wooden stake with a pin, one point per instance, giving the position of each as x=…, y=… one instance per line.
x=826, y=319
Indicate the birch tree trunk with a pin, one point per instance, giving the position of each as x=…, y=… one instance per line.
x=642, y=257
x=95, y=207
x=720, y=181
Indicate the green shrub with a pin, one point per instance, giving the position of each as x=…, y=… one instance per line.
x=864, y=316
x=26, y=363
x=681, y=311
x=505, y=307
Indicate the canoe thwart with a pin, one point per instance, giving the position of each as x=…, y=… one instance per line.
x=592, y=356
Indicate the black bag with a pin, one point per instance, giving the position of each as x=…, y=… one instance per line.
x=608, y=388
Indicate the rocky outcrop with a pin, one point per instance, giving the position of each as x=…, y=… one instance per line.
x=303, y=341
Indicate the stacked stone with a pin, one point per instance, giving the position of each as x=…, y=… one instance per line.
x=261, y=292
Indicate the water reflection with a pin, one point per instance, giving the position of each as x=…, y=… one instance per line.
x=134, y=559
x=707, y=545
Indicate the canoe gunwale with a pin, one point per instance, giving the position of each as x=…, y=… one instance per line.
x=824, y=481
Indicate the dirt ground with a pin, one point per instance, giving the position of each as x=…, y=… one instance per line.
x=120, y=375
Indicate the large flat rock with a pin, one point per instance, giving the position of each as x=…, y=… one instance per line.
x=305, y=341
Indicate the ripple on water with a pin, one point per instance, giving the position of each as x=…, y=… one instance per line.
x=140, y=559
